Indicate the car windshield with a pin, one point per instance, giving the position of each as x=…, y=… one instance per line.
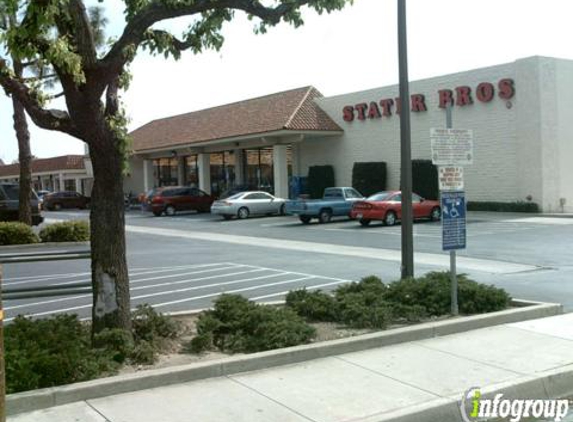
x=236, y=196
x=13, y=192
x=380, y=196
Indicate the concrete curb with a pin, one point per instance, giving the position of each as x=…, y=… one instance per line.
x=547, y=385
x=43, y=245
x=40, y=399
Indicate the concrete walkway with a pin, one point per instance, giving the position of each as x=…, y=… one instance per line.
x=417, y=381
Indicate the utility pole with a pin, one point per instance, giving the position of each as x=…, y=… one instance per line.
x=405, y=148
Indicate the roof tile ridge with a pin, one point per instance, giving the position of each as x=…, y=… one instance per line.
x=297, y=109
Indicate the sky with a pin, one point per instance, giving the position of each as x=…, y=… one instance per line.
x=347, y=51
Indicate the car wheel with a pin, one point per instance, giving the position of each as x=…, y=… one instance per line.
x=57, y=207
x=304, y=218
x=282, y=210
x=243, y=213
x=227, y=217
x=436, y=214
x=157, y=213
x=170, y=210
x=365, y=222
x=390, y=218
x=324, y=216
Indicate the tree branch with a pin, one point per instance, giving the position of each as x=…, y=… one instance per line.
x=46, y=119
x=134, y=32
x=83, y=33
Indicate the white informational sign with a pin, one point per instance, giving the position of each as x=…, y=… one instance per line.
x=451, y=178
x=452, y=147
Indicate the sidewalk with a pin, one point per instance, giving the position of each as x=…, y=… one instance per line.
x=416, y=381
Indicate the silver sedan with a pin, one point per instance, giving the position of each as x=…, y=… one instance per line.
x=248, y=203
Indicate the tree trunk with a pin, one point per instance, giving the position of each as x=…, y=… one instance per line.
x=110, y=279
x=24, y=156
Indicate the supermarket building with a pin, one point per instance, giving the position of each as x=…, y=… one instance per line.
x=521, y=114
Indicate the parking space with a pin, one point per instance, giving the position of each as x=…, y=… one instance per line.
x=173, y=288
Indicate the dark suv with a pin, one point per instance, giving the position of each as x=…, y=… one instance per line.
x=65, y=199
x=9, y=203
x=169, y=200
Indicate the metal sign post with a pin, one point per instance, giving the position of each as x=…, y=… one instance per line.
x=452, y=149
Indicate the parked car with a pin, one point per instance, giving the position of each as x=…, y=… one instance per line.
x=335, y=202
x=65, y=199
x=10, y=202
x=248, y=203
x=387, y=207
x=170, y=200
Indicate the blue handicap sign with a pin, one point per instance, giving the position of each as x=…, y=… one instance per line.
x=453, y=220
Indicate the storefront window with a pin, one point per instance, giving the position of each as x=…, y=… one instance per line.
x=258, y=165
x=165, y=171
x=70, y=185
x=222, y=171
x=191, y=171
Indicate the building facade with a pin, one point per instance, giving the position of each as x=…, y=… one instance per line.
x=521, y=115
x=68, y=172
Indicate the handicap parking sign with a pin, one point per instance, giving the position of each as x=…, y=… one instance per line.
x=453, y=220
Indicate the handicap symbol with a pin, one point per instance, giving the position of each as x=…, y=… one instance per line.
x=454, y=213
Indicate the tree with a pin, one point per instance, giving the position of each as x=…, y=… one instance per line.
x=8, y=18
x=58, y=33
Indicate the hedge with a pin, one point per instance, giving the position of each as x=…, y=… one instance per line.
x=425, y=179
x=519, y=206
x=67, y=231
x=319, y=178
x=13, y=233
x=369, y=178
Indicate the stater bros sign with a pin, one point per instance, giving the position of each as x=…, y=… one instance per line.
x=461, y=96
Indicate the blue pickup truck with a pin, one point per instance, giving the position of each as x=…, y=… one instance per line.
x=335, y=202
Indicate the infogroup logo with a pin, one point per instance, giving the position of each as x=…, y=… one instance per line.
x=475, y=408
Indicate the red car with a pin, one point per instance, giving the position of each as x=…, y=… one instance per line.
x=171, y=199
x=387, y=206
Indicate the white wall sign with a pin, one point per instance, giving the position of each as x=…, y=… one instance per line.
x=451, y=178
x=452, y=147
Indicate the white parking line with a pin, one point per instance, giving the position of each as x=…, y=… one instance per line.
x=313, y=287
x=132, y=282
x=246, y=289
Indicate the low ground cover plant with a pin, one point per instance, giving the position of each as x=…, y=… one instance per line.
x=55, y=351
x=236, y=324
x=370, y=303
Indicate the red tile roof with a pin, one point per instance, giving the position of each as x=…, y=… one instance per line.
x=293, y=110
x=45, y=165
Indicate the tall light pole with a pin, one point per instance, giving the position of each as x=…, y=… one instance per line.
x=405, y=148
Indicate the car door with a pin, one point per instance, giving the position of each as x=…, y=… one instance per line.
x=267, y=203
x=417, y=206
x=251, y=202
x=396, y=205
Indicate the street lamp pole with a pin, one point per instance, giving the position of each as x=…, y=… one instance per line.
x=405, y=148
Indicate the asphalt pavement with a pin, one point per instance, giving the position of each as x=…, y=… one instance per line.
x=183, y=262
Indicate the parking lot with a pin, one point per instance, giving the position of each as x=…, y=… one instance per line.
x=183, y=262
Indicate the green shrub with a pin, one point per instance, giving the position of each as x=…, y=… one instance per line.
x=362, y=304
x=67, y=231
x=519, y=206
x=236, y=324
x=12, y=233
x=314, y=306
x=319, y=178
x=433, y=292
x=425, y=179
x=369, y=178
x=49, y=352
x=152, y=326
x=116, y=343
